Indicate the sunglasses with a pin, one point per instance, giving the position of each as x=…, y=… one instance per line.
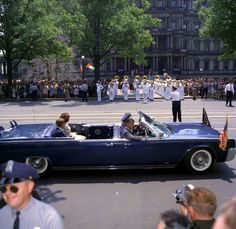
x=13, y=189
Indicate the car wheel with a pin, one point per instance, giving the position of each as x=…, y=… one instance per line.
x=39, y=163
x=199, y=161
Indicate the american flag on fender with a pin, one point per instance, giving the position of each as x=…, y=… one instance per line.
x=80, y=68
x=224, y=135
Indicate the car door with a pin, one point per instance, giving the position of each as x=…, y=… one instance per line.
x=63, y=151
x=152, y=152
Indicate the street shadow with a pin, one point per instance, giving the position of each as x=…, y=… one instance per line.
x=25, y=103
x=49, y=196
x=219, y=172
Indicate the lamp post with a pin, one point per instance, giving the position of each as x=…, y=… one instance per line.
x=83, y=57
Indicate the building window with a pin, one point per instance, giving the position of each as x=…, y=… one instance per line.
x=206, y=65
x=216, y=45
x=108, y=66
x=216, y=65
x=196, y=65
x=174, y=25
x=175, y=43
x=234, y=65
x=185, y=44
x=159, y=3
x=206, y=46
x=185, y=4
x=197, y=45
x=226, y=65
x=173, y=3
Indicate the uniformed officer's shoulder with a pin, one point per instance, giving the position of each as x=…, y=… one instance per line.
x=44, y=207
x=48, y=215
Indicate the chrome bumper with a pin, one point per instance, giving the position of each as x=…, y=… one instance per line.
x=230, y=154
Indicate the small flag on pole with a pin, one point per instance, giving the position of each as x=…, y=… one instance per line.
x=205, y=119
x=90, y=66
x=224, y=135
x=80, y=68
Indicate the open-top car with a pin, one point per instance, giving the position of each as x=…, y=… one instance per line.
x=194, y=145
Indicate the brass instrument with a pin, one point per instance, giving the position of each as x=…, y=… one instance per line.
x=116, y=77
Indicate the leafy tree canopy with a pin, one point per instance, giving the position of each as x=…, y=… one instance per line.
x=219, y=18
x=30, y=29
x=112, y=27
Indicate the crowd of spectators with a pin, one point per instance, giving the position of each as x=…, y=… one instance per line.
x=21, y=89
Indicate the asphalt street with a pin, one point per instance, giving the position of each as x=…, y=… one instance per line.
x=131, y=199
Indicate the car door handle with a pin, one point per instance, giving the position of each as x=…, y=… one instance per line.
x=109, y=144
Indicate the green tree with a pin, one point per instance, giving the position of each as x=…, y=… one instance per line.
x=29, y=29
x=219, y=18
x=112, y=27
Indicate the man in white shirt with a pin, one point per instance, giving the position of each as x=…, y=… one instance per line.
x=229, y=90
x=176, y=104
x=99, y=91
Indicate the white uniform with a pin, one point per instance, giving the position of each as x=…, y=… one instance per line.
x=145, y=87
x=181, y=91
x=151, y=92
x=125, y=90
x=99, y=91
x=167, y=91
x=137, y=88
x=116, y=87
x=111, y=91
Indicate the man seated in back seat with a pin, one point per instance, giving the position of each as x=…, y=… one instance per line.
x=58, y=129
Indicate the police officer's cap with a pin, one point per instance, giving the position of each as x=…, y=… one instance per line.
x=13, y=172
x=126, y=117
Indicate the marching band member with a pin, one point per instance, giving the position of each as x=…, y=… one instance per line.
x=145, y=87
x=181, y=90
x=167, y=90
x=125, y=89
x=137, y=87
x=99, y=91
x=151, y=91
x=116, y=83
x=111, y=90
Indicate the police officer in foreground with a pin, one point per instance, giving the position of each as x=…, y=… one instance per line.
x=127, y=129
x=22, y=210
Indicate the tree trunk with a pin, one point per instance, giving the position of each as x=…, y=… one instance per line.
x=9, y=78
x=97, y=68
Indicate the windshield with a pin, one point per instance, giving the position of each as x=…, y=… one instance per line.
x=157, y=127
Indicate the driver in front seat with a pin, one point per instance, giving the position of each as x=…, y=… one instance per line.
x=127, y=130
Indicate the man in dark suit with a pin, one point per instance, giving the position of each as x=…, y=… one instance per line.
x=58, y=129
x=127, y=131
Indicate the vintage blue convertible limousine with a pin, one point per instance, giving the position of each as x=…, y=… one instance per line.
x=194, y=145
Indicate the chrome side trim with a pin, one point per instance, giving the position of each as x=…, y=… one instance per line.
x=118, y=167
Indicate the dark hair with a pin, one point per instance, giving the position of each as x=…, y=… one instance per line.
x=174, y=220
